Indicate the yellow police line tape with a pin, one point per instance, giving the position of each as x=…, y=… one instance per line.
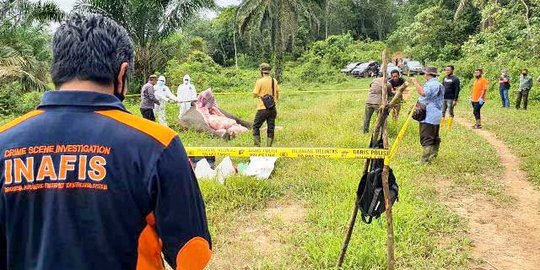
x=397, y=142
x=282, y=93
x=332, y=153
x=297, y=92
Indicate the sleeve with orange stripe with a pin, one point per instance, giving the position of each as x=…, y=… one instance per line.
x=179, y=211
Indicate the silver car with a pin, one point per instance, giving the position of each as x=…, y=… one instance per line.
x=349, y=68
x=413, y=68
x=391, y=67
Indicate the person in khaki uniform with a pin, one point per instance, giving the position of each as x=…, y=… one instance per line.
x=264, y=87
x=373, y=102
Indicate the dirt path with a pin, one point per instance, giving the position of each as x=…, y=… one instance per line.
x=505, y=237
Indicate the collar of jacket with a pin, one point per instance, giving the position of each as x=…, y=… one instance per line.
x=80, y=99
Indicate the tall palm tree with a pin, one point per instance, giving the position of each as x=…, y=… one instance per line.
x=281, y=18
x=22, y=54
x=18, y=13
x=148, y=22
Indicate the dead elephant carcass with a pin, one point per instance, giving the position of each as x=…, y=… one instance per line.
x=207, y=117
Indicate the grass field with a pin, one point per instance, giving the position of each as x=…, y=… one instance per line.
x=321, y=192
x=520, y=129
x=297, y=219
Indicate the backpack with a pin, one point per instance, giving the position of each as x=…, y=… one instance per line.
x=268, y=100
x=370, y=192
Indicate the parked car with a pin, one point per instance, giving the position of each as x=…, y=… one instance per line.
x=350, y=67
x=413, y=68
x=368, y=69
x=392, y=67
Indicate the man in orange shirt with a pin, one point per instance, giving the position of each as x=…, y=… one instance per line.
x=478, y=98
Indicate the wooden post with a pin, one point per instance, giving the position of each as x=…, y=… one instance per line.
x=386, y=188
x=388, y=203
x=380, y=126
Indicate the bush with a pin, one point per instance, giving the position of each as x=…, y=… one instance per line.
x=12, y=102
x=7, y=102
x=205, y=73
x=324, y=59
x=28, y=102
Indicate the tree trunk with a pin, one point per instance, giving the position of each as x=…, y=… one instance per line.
x=278, y=47
x=235, y=50
x=386, y=188
x=528, y=21
x=326, y=19
x=142, y=64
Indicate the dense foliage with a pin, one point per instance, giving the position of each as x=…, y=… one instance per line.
x=309, y=42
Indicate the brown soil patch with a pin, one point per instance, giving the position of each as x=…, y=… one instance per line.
x=503, y=237
x=259, y=238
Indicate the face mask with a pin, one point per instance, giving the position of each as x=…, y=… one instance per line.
x=524, y=74
x=478, y=76
x=160, y=83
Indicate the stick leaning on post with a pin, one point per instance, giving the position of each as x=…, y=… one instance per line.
x=380, y=126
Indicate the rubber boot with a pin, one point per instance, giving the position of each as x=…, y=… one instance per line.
x=426, y=153
x=434, y=152
x=450, y=122
x=269, y=142
x=443, y=122
x=257, y=141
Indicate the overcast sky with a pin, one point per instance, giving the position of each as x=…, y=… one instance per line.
x=68, y=4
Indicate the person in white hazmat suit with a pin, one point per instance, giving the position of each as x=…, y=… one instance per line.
x=164, y=95
x=186, y=94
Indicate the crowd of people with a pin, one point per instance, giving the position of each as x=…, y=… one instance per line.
x=440, y=99
x=155, y=95
x=136, y=201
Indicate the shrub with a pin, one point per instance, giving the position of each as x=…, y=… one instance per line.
x=324, y=59
x=12, y=102
x=205, y=73
x=28, y=102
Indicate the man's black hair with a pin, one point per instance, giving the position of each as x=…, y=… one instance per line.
x=451, y=67
x=479, y=69
x=394, y=72
x=526, y=70
x=90, y=47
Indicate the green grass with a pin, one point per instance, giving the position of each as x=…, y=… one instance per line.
x=517, y=128
x=428, y=234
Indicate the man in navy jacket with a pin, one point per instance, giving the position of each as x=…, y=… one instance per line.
x=85, y=184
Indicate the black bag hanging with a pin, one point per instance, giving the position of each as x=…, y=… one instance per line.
x=370, y=189
x=268, y=100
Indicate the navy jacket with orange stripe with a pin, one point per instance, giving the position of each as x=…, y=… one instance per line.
x=86, y=185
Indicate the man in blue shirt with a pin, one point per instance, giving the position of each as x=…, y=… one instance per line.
x=432, y=96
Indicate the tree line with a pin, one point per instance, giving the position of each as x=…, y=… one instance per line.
x=496, y=32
